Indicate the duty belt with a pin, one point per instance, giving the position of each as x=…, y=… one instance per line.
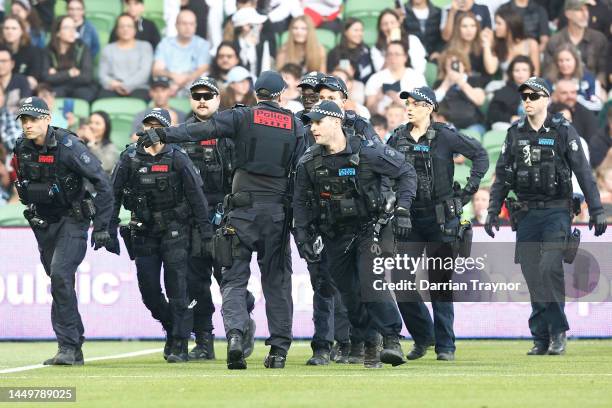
x=422, y=212
x=540, y=205
x=247, y=199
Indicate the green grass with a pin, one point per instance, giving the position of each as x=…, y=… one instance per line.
x=487, y=374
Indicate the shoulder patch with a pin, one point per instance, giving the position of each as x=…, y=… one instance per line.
x=85, y=158
x=573, y=145
x=67, y=141
x=390, y=152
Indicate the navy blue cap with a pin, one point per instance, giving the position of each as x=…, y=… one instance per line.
x=332, y=82
x=162, y=81
x=33, y=106
x=208, y=82
x=325, y=108
x=311, y=79
x=270, y=84
x=159, y=114
x=536, y=84
x=424, y=94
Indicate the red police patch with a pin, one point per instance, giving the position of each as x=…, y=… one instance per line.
x=159, y=168
x=211, y=142
x=46, y=159
x=272, y=119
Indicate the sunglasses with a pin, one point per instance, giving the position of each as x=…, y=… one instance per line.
x=197, y=96
x=532, y=96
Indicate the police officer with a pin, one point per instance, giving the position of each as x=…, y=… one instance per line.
x=430, y=147
x=51, y=166
x=308, y=95
x=162, y=189
x=268, y=140
x=214, y=160
x=538, y=157
x=338, y=196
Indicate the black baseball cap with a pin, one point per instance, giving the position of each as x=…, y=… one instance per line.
x=424, y=94
x=325, y=108
x=332, y=82
x=270, y=84
x=162, y=81
x=311, y=79
x=33, y=106
x=159, y=114
x=206, y=81
x=536, y=84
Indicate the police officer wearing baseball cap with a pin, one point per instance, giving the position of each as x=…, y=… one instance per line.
x=51, y=166
x=436, y=212
x=352, y=169
x=163, y=191
x=269, y=141
x=537, y=159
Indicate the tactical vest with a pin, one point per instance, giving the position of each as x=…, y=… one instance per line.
x=346, y=191
x=539, y=166
x=43, y=180
x=215, y=168
x=266, y=141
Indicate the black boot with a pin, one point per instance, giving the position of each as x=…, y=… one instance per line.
x=356, y=354
x=557, y=344
x=276, y=358
x=178, y=353
x=204, y=348
x=167, y=346
x=342, y=353
x=417, y=351
x=248, y=340
x=65, y=356
x=539, y=349
x=235, y=356
x=371, y=357
x=320, y=356
x=392, y=351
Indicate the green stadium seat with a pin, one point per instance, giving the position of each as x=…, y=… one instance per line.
x=493, y=139
x=112, y=7
x=471, y=133
x=103, y=22
x=462, y=172
x=180, y=104
x=369, y=20
x=81, y=106
x=128, y=106
x=155, y=6
x=11, y=215
x=441, y=3
x=59, y=9
x=431, y=73
x=121, y=129
x=353, y=6
x=327, y=38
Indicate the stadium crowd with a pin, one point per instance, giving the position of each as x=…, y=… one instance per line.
x=99, y=64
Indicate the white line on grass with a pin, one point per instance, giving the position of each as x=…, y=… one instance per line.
x=124, y=355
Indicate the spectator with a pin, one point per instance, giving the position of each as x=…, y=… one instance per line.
x=10, y=130
x=423, y=20
x=592, y=44
x=467, y=40
x=225, y=59
x=15, y=86
x=585, y=121
x=450, y=16
x=600, y=144
x=281, y=12
x=352, y=50
x=35, y=29
x=379, y=123
x=324, y=13
x=459, y=92
x=159, y=92
x=535, y=20
x=27, y=58
x=59, y=118
x=355, y=89
x=125, y=65
x=384, y=87
x=506, y=106
x=97, y=137
x=390, y=29
x=480, y=204
x=291, y=97
x=87, y=32
x=255, y=51
x=510, y=39
x=396, y=115
x=302, y=47
x=568, y=65
x=600, y=15
x=182, y=58
x=239, y=89
x=146, y=29
x=67, y=63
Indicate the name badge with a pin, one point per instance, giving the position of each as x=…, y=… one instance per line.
x=349, y=171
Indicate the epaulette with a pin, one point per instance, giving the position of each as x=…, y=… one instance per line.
x=559, y=120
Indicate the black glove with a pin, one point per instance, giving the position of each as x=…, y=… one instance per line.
x=401, y=223
x=100, y=239
x=468, y=192
x=152, y=136
x=599, y=222
x=492, y=221
x=307, y=252
x=113, y=246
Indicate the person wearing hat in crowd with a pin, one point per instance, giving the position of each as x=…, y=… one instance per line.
x=161, y=187
x=430, y=146
x=256, y=48
x=51, y=167
x=159, y=92
x=338, y=200
x=537, y=159
x=214, y=160
x=239, y=89
x=269, y=142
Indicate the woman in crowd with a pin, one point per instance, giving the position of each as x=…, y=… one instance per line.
x=568, y=65
x=67, y=63
x=506, y=106
x=27, y=58
x=34, y=25
x=383, y=87
x=238, y=90
x=256, y=51
x=87, y=32
x=225, y=59
x=125, y=65
x=390, y=29
x=97, y=137
x=352, y=50
x=466, y=39
x=423, y=19
x=302, y=47
x=459, y=92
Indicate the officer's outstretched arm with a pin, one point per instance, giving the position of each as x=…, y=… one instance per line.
x=500, y=188
x=473, y=150
x=82, y=162
x=192, y=186
x=581, y=167
x=390, y=163
x=119, y=179
x=224, y=124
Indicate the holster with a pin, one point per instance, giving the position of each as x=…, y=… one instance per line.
x=126, y=234
x=34, y=220
x=514, y=210
x=571, y=246
x=222, y=246
x=464, y=239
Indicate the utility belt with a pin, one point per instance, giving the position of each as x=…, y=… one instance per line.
x=248, y=199
x=80, y=210
x=443, y=211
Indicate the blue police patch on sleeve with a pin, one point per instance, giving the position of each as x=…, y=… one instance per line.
x=85, y=158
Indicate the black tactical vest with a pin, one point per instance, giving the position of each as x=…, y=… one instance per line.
x=215, y=167
x=266, y=141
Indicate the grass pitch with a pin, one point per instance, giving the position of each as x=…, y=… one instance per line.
x=486, y=374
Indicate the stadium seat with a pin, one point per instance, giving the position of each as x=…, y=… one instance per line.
x=59, y=9
x=127, y=106
x=181, y=104
x=493, y=139
x=441, y=3
x=112, y=7
x=11, y=215
x=327, y=38
x=471, y=133
x=354, y=6
x=103, y=22
x=369, y=20
x=431, y=73
x=121, y=129
x=81, y=106
x=462, y=172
